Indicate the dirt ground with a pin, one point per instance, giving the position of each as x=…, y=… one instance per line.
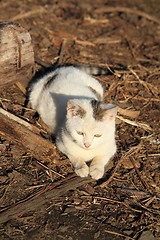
x=125, y=36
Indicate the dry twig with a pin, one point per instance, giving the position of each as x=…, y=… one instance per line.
x=112, y=201
x=145, y=184
x=148, y=86
x=28, y=14
x=49, y=169
x=119, y=234
x=131, y=151
x=128, y=112
x=137, y=124
x=128, y=10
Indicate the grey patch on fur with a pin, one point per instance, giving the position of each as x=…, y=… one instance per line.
x=93, y=70
x=98, y=112
x=50, y=80
x=80, y=112
x=96, y=93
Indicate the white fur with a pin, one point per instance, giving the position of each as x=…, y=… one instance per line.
x=51, y=103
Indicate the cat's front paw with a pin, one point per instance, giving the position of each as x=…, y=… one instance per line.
x=96, y=172
x=83, y=171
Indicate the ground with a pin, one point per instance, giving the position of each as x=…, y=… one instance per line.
x=121, y=35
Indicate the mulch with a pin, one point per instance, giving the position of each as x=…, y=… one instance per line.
x=41, y=196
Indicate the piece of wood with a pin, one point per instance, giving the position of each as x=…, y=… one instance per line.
x=35, y=202
x=16, y=55
x=128, y=10
x=26, y=136
x=19, y=121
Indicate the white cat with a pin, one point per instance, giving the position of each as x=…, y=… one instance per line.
x=70, y=101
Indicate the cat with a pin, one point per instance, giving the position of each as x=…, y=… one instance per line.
x=71, y=102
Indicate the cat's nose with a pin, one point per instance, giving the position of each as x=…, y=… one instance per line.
x=87, y=145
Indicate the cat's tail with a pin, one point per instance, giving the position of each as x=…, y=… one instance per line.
x=94, y=70
x=91, y=70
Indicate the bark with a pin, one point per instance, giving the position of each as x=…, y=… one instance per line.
x=37, y=201
x=26, y=136
x=16, y=55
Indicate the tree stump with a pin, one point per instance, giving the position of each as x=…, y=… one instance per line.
x=16, y=55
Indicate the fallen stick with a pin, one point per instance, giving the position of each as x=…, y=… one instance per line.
x=43, y=196
x=128, y=112
x=31, y=13
x=128, y=10
x=41, y=62
x=137, y=124
x=130, y=152
x=19, y=120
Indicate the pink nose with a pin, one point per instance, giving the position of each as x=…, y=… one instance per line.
x=87, y=145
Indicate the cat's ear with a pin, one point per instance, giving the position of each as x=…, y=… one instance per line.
x=110, y=111
x=71, y=109
x=103, y=111
x=74, y=109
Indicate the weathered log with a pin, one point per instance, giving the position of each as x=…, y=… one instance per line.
x=16, y=55
x=26, y=136
x=43, y=196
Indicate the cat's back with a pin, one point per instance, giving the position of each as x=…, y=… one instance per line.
x=63, y=84
x=71, y=79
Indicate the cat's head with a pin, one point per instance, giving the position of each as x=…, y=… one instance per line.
x=90, y=122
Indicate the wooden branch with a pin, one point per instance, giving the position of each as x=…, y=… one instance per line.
x=26, y=136
x=130, y=152
x=128, y=112
x=35, y=11
x=128, y=10
x=36, y=201
x=19, y=120
x=16, y=55
x=41, y=62
x=145, y=126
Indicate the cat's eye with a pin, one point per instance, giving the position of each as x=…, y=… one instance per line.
x=97, y=135
x=80, y=133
